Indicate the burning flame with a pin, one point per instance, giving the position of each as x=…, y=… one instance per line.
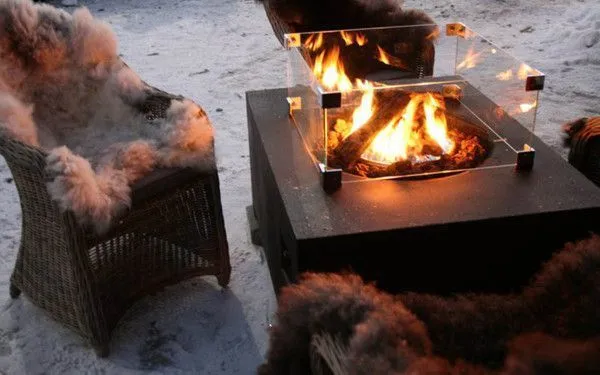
x=419, y=124
x=391, y=144
x=329, y=70
x=365, y=110
x=314, y=42
x=435, y=123
x=400, y=138
x=526, y=107
x=350, y=38
x=505, y=76
x=470, y=60
x=383, y=56
x=388, y=59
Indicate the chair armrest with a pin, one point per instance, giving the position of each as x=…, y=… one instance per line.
x=163, y=180
x=583, y=138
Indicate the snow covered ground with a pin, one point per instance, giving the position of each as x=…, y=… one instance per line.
x=213, y=51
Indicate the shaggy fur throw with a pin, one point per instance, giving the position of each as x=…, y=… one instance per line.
x=386, y=339
x=412, y=47
x=552, y=327
x=64, y=89
x=317, y=15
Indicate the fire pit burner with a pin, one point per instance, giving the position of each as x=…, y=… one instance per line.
x=419, y=140
x=376, y=103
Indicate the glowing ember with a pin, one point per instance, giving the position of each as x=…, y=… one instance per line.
x=470, y=61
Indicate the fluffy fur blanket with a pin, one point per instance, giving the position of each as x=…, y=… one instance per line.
x=552, y=327
x=316, y=15
x=64, y=89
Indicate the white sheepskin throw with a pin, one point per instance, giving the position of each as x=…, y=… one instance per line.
x=64, y=89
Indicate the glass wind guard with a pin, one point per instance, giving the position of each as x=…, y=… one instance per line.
x=305, y=109
x=410, y=101
x=509, y=83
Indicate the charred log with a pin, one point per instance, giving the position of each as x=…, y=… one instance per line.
x=351, y=148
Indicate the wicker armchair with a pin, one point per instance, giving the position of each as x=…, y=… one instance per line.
x=174, y=230
x=583, y=139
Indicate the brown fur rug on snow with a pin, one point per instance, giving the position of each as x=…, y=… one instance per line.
x=552, y=327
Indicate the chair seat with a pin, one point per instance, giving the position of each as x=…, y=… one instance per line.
x=162, y=180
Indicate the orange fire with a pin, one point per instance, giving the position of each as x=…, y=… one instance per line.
x=383, y=56
x=314, y=42
x=329, y=70
x=328, y=67
x=351, y=38
x=421, y=122
x=388, y=59
x=402, y=139
x=365, y=110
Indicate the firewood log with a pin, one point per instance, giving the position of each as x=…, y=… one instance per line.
x=389, y=106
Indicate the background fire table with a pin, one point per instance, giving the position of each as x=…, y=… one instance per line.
x=485, y=227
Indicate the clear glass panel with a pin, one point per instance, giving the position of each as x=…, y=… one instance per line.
x=409, y=101
x=498, y=76
x=304, y=106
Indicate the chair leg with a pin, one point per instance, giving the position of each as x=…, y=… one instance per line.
x=223, y=278
x=14, y=291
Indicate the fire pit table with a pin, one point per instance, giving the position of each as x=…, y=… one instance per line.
x=432, y=184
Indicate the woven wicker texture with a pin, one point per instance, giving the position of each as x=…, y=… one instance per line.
x=584, y=139
x=87, y=282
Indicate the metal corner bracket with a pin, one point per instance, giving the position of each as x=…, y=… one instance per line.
x=292, y=40
x=294, y=103
x=330, y=99
x=331, y=179
x=535, y=83
x=456, y=29
x=525, y=158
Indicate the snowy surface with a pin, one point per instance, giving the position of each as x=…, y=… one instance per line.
x=213, y=51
